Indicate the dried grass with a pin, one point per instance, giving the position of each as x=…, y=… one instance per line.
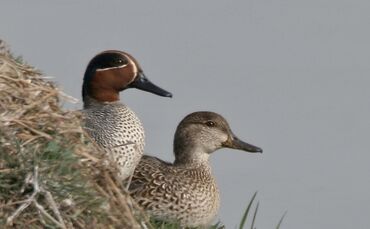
x=51, y=174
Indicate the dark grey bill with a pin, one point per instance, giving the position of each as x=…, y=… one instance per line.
x=143, y=83
x=236, y=143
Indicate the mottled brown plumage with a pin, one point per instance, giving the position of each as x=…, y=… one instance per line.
x=186, y=191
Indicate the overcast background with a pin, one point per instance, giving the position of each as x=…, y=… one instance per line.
x=291, y=76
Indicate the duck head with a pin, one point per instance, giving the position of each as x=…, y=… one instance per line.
x=113, y=71
x=201, y=133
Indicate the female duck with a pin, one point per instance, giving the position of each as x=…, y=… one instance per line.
x=186, y=191
x=114, y=126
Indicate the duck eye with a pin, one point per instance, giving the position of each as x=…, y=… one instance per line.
x=210, y=123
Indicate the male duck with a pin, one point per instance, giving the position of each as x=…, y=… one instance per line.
x=114, y=126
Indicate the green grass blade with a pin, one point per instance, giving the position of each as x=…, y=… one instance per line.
x=244, y=219
x=281, y=220
x=255, y=215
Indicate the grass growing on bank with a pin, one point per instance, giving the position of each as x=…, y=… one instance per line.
x=248, y=213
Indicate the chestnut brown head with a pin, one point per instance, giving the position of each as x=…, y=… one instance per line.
x=113, y=71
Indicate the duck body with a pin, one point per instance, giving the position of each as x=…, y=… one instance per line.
x=186, y=191
x=177, y=193
x=110, y=123
x=117, y=129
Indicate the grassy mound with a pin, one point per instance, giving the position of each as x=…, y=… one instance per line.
x=51, y=174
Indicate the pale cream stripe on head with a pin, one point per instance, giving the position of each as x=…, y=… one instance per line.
x=105, y=69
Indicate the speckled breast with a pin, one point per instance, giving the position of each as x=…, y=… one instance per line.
x=201, y=202
x=117, y=129
x=190, y=197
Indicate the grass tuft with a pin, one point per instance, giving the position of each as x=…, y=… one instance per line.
x=246, y=213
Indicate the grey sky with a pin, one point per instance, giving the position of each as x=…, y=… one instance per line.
x=291, y=76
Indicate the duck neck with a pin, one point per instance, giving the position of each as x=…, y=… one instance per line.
x=92, y=102
x=97, y=91
x=191, y=156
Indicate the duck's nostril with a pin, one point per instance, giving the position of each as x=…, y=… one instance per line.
x=143, y=79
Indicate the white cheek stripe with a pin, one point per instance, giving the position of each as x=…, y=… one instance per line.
x=105, y=69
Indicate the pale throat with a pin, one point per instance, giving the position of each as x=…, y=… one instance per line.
x=200, y=157
x=193, y=155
